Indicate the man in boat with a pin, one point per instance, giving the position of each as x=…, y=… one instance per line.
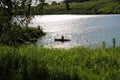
x=62, y=38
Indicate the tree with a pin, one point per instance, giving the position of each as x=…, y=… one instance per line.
x=54, y=3
x=42, y=3
x=67, y=4
x=9, y=11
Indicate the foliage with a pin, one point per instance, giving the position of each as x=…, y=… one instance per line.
x=67, y=4
x=31, y=34
x=80, y=63
x=9, y=10
x=21, y=36
x=88, y=7
x=11, y=32
x=114, y=42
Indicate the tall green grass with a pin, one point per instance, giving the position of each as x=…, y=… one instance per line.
x=80, y=63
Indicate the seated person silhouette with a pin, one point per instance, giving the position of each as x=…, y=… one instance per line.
x=62, y=38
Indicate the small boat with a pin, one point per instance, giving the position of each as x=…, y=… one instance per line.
x=62, y=39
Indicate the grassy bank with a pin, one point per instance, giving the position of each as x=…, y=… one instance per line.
x=89, y=7
x=20, y=36
x=32, y=63
x=31, y=34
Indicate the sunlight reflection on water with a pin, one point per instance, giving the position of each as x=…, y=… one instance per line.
x=83, y=30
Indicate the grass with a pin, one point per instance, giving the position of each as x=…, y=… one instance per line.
x=89, y=7
x=80, y=63
x=32, y=34
x=21, y=35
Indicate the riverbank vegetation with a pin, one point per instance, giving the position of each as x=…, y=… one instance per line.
x=87, y=7
x=80, y=63
x=21, y=36
x=14, y=30
x=37, y=63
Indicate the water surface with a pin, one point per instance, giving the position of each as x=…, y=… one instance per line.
x=82, y=30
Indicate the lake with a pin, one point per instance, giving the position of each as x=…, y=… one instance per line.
x=82, y=30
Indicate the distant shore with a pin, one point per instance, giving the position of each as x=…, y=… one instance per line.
x=89, y=7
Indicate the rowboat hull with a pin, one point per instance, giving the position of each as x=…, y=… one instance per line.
x=61, y=40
